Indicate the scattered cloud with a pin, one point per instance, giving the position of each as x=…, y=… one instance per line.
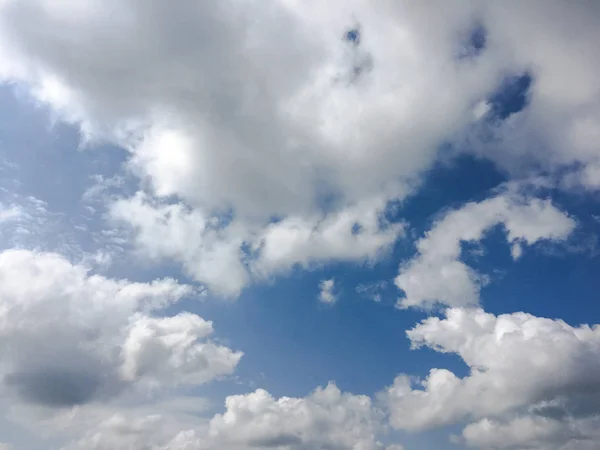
x=373, y=291
x=71, y=337
x=226, y=255
x=557, y=397
x=327, y=291
x=264, y=137
x=327, y=418
x=436, y=273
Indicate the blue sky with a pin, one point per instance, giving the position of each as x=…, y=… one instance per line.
x=352, y=226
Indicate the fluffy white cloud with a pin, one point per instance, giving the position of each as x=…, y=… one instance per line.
x=209, y=253
x=69, y=337
x=267, y=139
x=225, y=112
x=373, y=291
x=327, y=294
x=122, y=432
x=257, y=115
x=172, y=350
x=437, y=275
x=534, y=432
x=74, y=345
x=519, y=364
x=353, y=234
x=145, y=429
x=285, y=116
x=559, y=125
x=327, y=418
x=227, y=255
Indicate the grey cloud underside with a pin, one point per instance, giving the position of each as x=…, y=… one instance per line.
x=55, y=388
x=71, y=338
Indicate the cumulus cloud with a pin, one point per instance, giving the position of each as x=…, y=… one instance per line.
x=270, y=135
x=153, y=428
x=327, y=291
x=208, y=253
x=172, y=350
x=307, y=112
x=70, y=337
x=226, y=255
x=255, y=118
x=531, y=378
x=373, y=291
x=532, y=431
x=436, y=273
x=76, y=346
x=327, y=418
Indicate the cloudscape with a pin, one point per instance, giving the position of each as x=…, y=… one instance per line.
x=299, y=225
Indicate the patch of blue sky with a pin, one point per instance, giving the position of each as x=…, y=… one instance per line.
x=474, y=43
x=511, y=96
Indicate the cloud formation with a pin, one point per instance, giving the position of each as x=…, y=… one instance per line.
x=325, y=419
x=226, y=255
x=327, y=293
x=533, y=381
x=70, y=337
x=436, y=273
x=267, y=136
x=317, y=117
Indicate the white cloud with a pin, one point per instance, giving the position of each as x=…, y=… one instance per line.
x=327, y=418
x=69, y=337
x=9, y=213
x=356, y=233
x=253, y=116
x=31, y=223
x=210, y=254
x=172, y=350
x=261, y=127
x=327, y=294
x=534, y=432
x=373, y=291
x=544, y=370
x=437, y=275
x=235, y=114
x=120, y=432
x=138, y=428
x=79, y=352
x=211, y=250
x=263, y=118
x=558, y=127
x=24, y=221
